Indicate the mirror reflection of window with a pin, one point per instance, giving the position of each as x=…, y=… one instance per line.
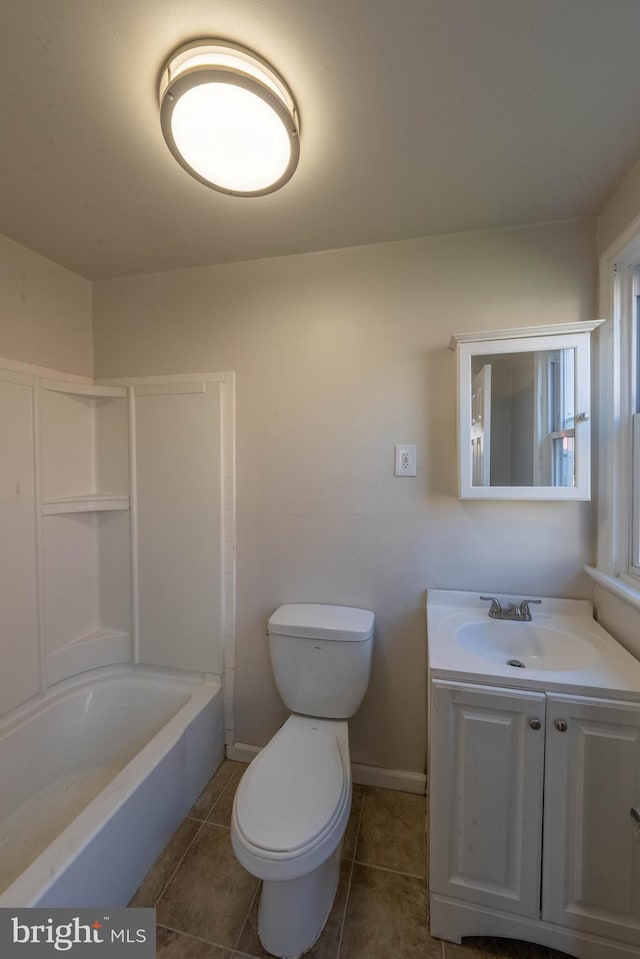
x=481, y=426
x=523, y=419
x=555, y=408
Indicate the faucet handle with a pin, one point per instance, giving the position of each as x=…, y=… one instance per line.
x=524, y=607
x=495, y=610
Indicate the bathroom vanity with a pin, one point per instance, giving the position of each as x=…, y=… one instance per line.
x=534, y=777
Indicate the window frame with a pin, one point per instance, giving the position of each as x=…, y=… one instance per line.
x=618, y=539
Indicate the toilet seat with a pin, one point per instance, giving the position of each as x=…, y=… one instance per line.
x=293, y=802
x=291, y=793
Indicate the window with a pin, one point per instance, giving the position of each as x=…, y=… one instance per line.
x=618, y=390
x=555, y=417
x=634, y=405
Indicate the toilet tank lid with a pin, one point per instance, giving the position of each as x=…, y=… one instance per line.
x=318, y=621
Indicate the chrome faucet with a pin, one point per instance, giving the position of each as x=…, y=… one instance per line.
x=518, y=612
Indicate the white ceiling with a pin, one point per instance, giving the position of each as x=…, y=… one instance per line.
x=418, y=117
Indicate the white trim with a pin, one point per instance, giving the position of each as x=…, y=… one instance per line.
x=453, y=919
x=39, y=540
x=551, y=329
x=163, y=379
x=614, y=421
x=133, y=528
x=466, y=351
x=399, y=779
x=634, y=554
x=242, y=752
x=619, y=586
x=228, y=547
x=160, y=389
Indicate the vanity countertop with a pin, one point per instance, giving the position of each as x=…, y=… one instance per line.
x=563, y=648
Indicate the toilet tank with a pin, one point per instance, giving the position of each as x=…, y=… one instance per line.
x=321, y=657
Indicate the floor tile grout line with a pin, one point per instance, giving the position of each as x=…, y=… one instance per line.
x=353, y=862
x=181, y=860
x=230, y=782
x=206, y=942
x=357, y=839
x=247, y=914
x=190, y=935
x=344, y=911
x=222, y=791
x=396, y=872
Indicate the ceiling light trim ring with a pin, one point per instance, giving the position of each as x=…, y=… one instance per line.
x=211, y=49
x=189, y=77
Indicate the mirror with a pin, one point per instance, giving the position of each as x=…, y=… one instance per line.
x=523, y=423
x=523, y=419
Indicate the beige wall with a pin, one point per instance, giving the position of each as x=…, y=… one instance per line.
x=338, y=357
x=45, y=312
x=619, y=618
x=621, y=209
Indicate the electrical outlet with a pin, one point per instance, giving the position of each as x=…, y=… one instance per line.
x=405, y=460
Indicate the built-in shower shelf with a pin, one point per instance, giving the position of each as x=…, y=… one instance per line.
x=87, y=390
x=90, y=503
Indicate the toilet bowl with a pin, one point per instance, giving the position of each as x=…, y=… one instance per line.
x=292, y=805
x=289, y=817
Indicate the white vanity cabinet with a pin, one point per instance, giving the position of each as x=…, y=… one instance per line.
x=591, y=858
x=487, y=764
x=532, y=829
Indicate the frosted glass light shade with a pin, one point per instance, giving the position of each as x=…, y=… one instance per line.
x=228, y=118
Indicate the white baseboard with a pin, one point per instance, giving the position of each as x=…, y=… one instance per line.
x=242, y=752
x=400, y=779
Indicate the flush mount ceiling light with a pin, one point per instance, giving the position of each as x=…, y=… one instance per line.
x=228, y=118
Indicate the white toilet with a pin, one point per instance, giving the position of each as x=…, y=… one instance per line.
x=292, y=805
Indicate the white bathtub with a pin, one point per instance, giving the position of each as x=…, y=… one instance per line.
x=95, y=776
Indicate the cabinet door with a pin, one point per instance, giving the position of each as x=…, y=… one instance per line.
x=591, y=874
x=486, y=772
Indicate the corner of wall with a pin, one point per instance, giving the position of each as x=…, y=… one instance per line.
x=621, y=208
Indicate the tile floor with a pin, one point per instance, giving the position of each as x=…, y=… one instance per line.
x=207, y=905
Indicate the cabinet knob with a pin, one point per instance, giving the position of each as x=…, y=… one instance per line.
x=535, y=724
x=561, y=725
x=583, y=417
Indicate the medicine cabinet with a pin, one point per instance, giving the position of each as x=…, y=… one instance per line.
x=524, y=412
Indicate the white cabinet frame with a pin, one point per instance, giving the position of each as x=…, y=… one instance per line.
x=526, y=340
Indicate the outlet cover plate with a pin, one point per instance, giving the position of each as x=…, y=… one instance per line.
x=405, y=459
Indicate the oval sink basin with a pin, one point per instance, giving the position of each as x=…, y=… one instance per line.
x=527, y=645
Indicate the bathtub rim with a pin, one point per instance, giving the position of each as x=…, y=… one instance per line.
x=42, y=873
x=22, y=713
